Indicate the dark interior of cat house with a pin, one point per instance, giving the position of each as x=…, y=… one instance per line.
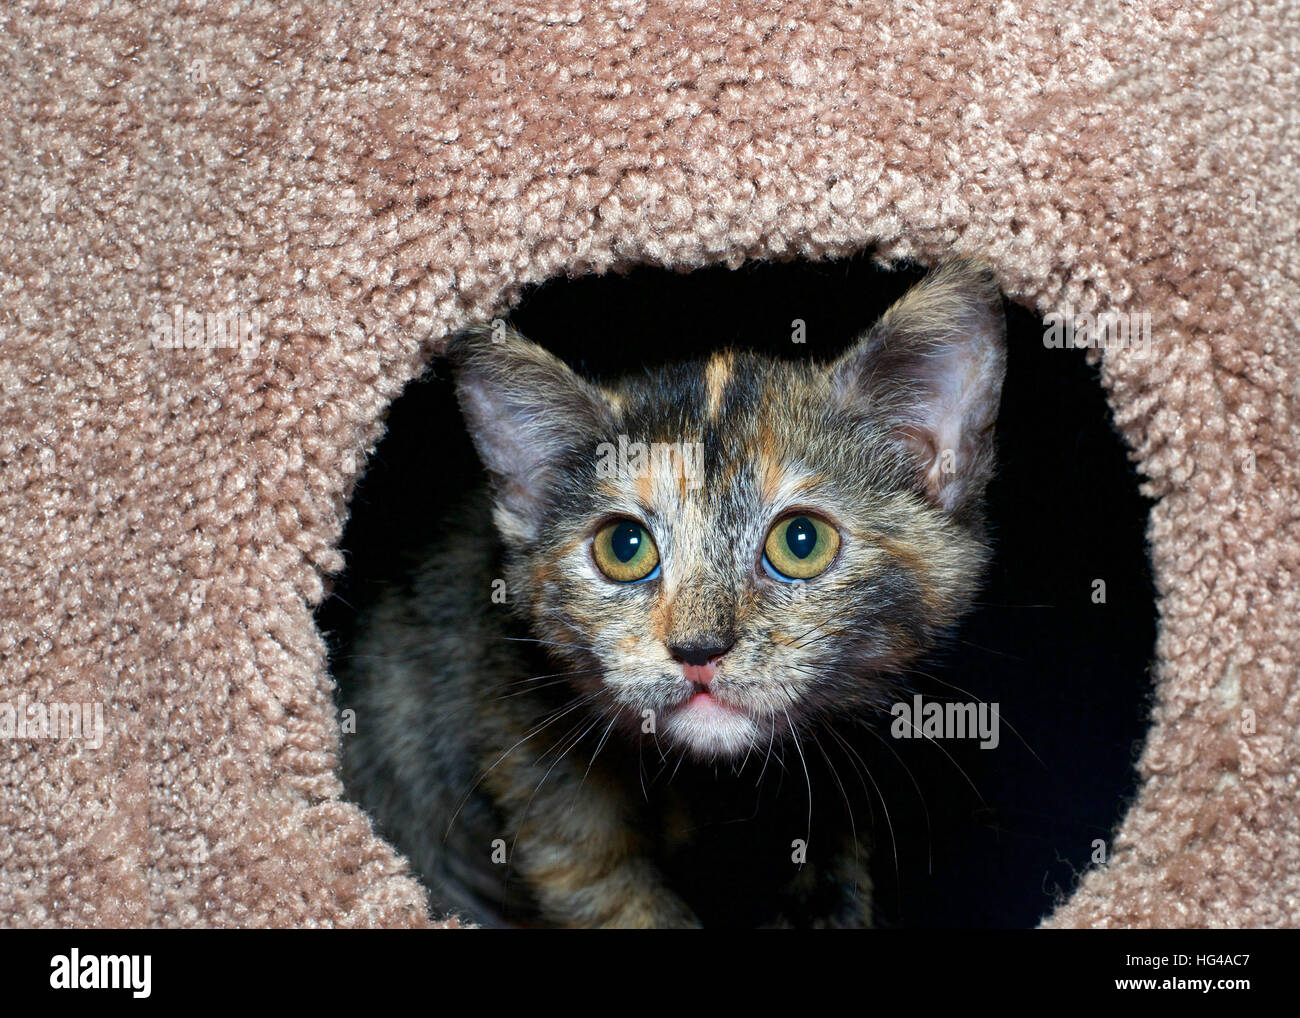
x=1061, y=638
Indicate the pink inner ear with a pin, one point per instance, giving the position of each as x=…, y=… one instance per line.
x=921, y=443
x=955, y=386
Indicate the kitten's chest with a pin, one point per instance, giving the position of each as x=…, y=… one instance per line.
x=743, y=853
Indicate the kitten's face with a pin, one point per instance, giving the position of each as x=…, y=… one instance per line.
x=728, y=550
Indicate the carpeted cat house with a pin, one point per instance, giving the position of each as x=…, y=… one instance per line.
x=233, y=232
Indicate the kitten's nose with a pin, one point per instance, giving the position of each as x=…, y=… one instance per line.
x=699, y=653
x=699, y=660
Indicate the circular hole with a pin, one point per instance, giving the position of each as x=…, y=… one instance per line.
x=962, y=836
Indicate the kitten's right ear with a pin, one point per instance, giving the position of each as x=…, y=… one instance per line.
x=526, y=411
x=930, y=371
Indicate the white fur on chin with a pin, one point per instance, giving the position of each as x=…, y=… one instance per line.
x=711, y=731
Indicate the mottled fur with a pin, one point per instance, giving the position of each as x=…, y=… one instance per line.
x=525, y=721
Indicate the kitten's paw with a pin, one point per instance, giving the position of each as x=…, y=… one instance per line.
x=666, y=912
x=838, y=896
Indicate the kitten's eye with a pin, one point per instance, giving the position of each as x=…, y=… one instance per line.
x=800, y=547
x=625, y=552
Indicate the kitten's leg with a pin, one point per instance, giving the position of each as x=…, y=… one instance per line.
x=582, y=859
x=852, y=882
x=834, y=895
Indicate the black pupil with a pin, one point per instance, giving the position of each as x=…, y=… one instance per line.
x=801, y=537
x=625, y=541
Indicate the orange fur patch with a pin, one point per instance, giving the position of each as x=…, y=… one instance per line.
x=770, y=477
x=716, y=376
x=645, y=487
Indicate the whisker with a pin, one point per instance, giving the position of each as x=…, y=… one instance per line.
x=563, y=679
x=853, y=827
x=995, y=604
x=925, y=809
x=749, y=749
x=680, y=757
x=1001, y=716
x=599, y=746
x=548, y=643
x=847, y=748
x=796, y=641
x=551, y=675
x=808, y=779
x=951, y=759
x=539, y=728
x=523, y=816
x=770, y=742
x=990, y=650
x=640, y=769
x=889, y=822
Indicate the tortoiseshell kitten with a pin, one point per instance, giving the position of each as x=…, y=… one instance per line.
x=704, y=569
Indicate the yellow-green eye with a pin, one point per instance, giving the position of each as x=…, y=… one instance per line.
x=800, y=547
x=625, y=551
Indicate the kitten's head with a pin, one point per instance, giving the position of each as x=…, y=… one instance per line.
x=727, y=550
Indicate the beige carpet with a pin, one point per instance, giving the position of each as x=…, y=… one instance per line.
x=358, y=185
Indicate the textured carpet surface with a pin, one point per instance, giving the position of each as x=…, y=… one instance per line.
x=357, y=184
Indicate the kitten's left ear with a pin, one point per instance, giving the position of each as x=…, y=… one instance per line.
x=930, y=372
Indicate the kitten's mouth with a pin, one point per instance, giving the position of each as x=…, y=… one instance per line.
x=709, y=726
x=704, y=700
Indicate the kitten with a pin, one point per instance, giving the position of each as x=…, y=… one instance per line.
x=707, y=568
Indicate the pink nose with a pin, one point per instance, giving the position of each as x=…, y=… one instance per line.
x=699, y=659
x=701, y=675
